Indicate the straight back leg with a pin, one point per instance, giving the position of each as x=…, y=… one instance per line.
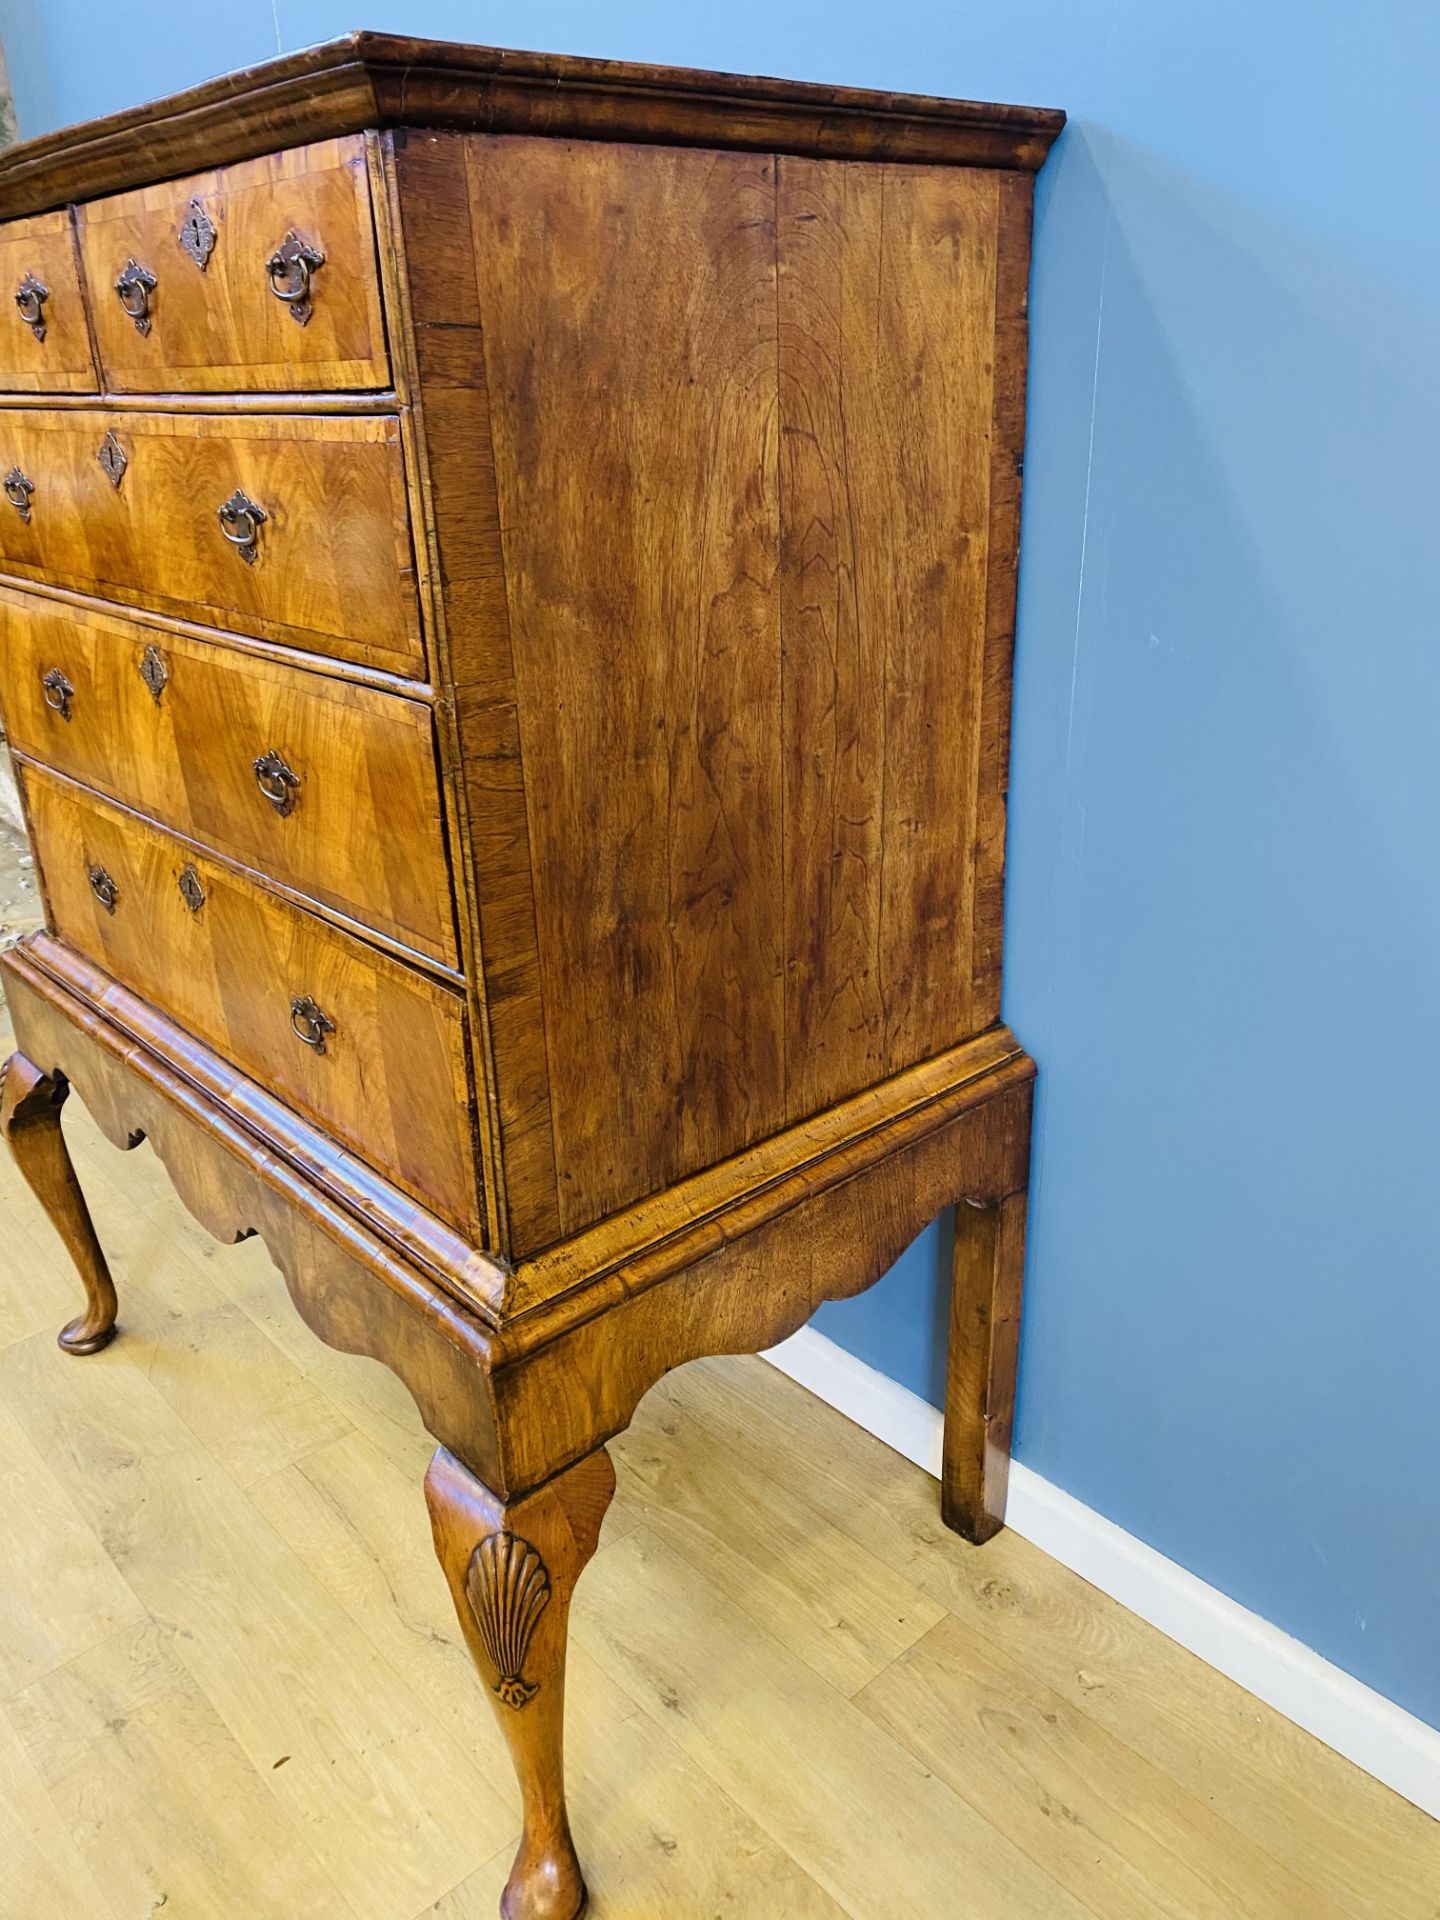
x=987, y=1276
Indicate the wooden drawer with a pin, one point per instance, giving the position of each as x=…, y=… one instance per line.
x=391, y=1082
x=361, y=831
x=330, y=566
x=39, y=276
x=210, y=319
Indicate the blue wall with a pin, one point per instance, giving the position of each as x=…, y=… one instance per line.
x=1224, y=924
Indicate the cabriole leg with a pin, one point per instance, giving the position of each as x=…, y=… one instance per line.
x=987, y=1275
x=30, y=1103
x=512, y=1569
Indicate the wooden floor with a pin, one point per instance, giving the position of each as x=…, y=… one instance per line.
x=231, y=1683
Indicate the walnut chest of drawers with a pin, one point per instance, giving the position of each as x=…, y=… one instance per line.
x=507, y=583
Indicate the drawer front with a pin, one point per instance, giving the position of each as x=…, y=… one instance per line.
x=44, y=341
x=345, y=808
x=230, y=961
x=127, y=505
x=259, y=276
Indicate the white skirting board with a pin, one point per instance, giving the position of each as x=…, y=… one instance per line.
x=1357, y=1722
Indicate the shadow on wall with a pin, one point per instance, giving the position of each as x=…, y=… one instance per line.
x=1234, y=1310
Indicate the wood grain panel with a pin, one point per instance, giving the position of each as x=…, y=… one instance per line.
x=221, y=326
x=333, y=572
x=500, y=850
x=364, y=835
x=1015, y=193
x=887, y=292
x=392, y=1081
x=633, y=385
x=439, y=287
x=44, y=248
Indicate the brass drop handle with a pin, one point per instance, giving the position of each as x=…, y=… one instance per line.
x=18, y=489
x=241, y=519
x=30, y=298
x=104, y=888
x=309, y=1024
x=58, y=692
x=134, y=287
x=289, y=269
x=279, y=783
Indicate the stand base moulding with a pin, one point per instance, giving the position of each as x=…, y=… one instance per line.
x=507, y=579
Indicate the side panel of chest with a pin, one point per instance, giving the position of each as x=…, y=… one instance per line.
x=723, y=451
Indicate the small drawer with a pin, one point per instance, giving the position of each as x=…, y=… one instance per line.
x=326, y=787
x=259, y=276
x=288, y=528
x=359, y=1043
x=44, y=341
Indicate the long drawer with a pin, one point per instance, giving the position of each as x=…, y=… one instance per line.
x=44, y=339
x=260, y=275
x=321, y=785
x=290, y=528
x=366, y=1047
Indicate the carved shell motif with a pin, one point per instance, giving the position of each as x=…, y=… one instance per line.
x=508, y=1589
